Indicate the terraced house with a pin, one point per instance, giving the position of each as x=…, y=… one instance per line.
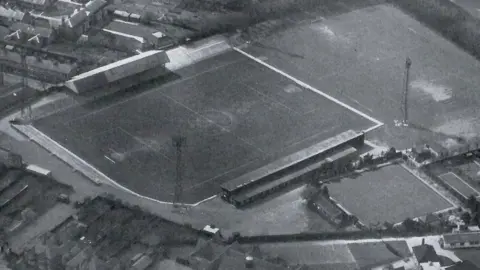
x=461, y=240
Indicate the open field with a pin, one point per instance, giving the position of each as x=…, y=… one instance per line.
x=359, y=58
x=389, y=194
x=229, y=108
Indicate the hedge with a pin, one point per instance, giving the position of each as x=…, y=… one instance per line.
x=448, y=19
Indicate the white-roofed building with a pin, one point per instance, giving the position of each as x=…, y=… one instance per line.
x=121, y=74
x=461, y=240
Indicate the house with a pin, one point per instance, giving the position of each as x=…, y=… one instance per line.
x=75, y=24
x=96, y=11
x=425, y=253
x=431, y=266
x=35, y=4
x=170, y=265
x=10, y=159
x=149, y=37
x=433, y=220
x=39, y=68
x=460, y=240
x=133, y=36
x=464, y=265
x=215, y=256
x=121, y=74
x=142, y=262
x=9, y=16
x=326, y=207
x=34, y=35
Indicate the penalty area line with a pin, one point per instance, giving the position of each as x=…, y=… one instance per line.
x=303, y=84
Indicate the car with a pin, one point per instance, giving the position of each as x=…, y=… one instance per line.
x=63, y=198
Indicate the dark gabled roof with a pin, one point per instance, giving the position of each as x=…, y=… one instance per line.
x=209, y=251
x=369, y=255
x=464, y=265
x=425, y=253
x=432, y=218
x=31, y=30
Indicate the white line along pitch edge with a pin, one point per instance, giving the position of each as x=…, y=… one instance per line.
x=464, y=182
x=112, y=182
x=303, y=84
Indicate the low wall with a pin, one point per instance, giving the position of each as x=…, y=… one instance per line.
x=325, y=236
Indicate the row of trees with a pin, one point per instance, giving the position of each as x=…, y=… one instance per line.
x=473, y=204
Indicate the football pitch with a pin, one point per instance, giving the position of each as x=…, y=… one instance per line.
x=235, y=114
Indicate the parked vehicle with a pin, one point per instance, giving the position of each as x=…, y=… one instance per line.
x=63, y=198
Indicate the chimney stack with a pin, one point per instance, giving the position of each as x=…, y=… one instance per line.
x=423, y=241
x=249, y=262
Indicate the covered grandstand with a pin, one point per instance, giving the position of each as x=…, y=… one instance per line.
x=121, y=74
x=322, y=157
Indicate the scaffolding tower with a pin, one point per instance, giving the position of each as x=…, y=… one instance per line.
x=408, y=64
x=178, y=143
x=26, y=109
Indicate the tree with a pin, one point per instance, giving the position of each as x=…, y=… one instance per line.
x=325, y=191
x=471, y=202
x=410, y=225
x=309, y=192
x=148, y=17
x=466, y=217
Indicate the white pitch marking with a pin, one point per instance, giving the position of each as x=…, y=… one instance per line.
x=113, y=161
x=463, y=181
x=207, y=46
x=303, y=84
x=202, y=201
x=478, y=164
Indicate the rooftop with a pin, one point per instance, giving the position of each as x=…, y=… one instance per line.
x=117, y=70
x=287, y=161
x=35, y=2
x=425, y=253
x=133, y=29
x=233, y=259
x=32, y=30
x=464, y=265
x=171, y=265
x=461, y=237
x=11, y=13
x=77, y=18
x=95, y=5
